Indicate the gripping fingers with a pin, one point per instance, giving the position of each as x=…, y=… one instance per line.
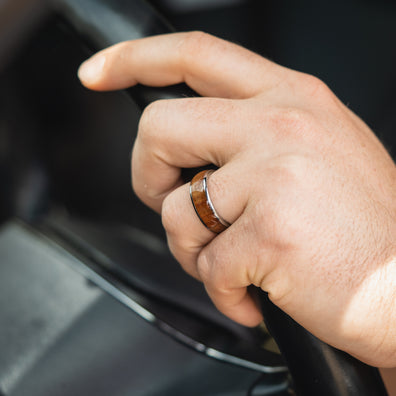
x=227, y=269
x=186, y=234
x=183, y=133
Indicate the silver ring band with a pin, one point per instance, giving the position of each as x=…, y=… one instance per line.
x=210, y=203
x=203, y=204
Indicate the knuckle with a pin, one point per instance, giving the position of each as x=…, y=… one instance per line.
x=263, y=214
x=197, y=39
x=203, y=267
x=195, y=43
x=314, y=87
x=150, y=122
x=290, y=173
x=147, y=196
x=138, y=189
x=290, y=121
x=213, y=269
x=169, y=213
x=283, y=211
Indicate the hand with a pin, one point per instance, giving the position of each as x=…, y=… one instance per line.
x=309, y=190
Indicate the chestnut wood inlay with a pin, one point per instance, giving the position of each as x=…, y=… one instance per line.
x=201, y=205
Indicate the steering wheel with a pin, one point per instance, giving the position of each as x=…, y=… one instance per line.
x=315, y=367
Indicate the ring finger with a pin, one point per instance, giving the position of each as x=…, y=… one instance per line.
x=185, y=232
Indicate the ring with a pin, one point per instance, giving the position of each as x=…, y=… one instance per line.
x=203, y=204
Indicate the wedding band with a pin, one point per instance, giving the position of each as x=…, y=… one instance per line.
x=203, y=205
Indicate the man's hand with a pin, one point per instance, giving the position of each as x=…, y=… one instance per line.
x=308, y=188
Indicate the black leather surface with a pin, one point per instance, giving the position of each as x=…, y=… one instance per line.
x=60, y=335
x=142, y=259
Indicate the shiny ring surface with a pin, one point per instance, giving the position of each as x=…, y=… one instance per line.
x=203, y=205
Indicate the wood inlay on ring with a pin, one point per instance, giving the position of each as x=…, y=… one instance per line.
x=201, y=205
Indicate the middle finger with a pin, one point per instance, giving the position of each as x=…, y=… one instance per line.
x=184, y=133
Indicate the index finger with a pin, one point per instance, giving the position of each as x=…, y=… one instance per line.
x=209, y=65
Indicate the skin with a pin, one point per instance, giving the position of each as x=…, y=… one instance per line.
x=308, y=188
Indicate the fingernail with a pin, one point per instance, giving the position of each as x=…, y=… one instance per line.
x=91, y=70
